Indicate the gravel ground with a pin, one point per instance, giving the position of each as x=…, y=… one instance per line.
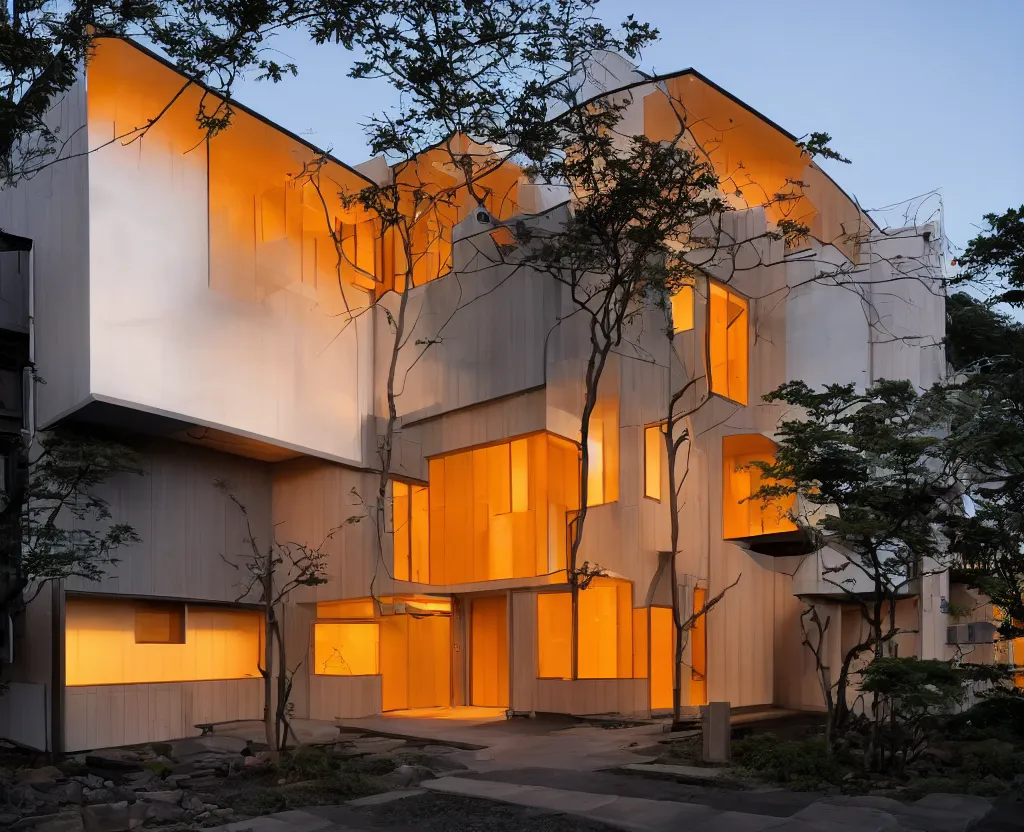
x=447, y=813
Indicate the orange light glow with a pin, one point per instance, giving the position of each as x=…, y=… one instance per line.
x=603, y=454
x=489, y=657
x=662, y=646
x=554, y=635
x=100, y=645
x=352, y=608
x=411, y=523
x=728, y=343
x=654, y=446
x=415, y=661
x=605, y=645
x=682, y=309
x=500, y=511
x=346, y=649
x=743, y=517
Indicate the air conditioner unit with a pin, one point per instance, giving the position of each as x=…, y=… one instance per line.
x=981, y=632
x=978, y=632
x=957, y=634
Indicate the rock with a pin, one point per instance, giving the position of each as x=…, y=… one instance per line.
x=101, y=795
x=405, y=777
x=136, y=815
x=106, y=817
x=206, y=745
x=176, y=779
x=162, y=797
x=70, y=792
x=222, y=813
x=140, y=778
x=40, y=777
x=69, y=821
x=108, y=783
x=7, y=821
x=193, y=804
x=115, y=758
x=90, y=780
x=163, y=812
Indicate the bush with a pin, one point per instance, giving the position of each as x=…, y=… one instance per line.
x=306, y=763
x=804, y=764
x=995, y=716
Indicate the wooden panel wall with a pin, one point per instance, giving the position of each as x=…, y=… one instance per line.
x=346, y=697
x=186, y=525
x=584, y=697
x=24, y=716
x=106, y=715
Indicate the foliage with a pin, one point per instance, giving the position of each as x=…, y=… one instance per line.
x=56, y=525
x=800, y=764
x=995, y=716
x=915, y=694
x=873, y=478
x=996, y=256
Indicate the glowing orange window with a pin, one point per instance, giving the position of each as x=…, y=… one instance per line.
x=682, y=309
x=728, y=359
x=743, y=517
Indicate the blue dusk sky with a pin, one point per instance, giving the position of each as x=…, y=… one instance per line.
x=924, y=97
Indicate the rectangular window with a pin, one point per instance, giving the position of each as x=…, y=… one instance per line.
x=603, y=455
x=411, y=530
x=741, y=516
x=663, y=639
x=520, y=474
x=605, y=646
x=121, y=642
x=727, y=323
x=346, y=649
x=682, y=309
x=654, y=444
x=595, y=463
x=159, y=623
x=554, y=635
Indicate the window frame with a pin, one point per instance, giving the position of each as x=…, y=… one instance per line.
x=730, y=295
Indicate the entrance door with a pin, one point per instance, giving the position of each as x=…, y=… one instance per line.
x=488, y=640
x=415, y=661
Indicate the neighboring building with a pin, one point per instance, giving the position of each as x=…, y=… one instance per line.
x=185, y=295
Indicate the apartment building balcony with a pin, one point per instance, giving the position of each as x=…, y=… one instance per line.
x=831, y=571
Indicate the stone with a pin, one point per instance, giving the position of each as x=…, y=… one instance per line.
x=162, y=797
x=115, y=758
x=136, y=815
x=163, y=812
x=176, y=779
x=68, y=821
x=106, y=817
x=206, y=745
x=47, y=775
x=716, y=729
x=140, y=778
x=226, y=812
x=406, y=776
x=193, y=804
x=70, y=792
x=102, y=795
x=374, y=745
x=90, y=780
x=6, y=820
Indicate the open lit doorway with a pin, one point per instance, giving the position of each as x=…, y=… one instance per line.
x=488, y=643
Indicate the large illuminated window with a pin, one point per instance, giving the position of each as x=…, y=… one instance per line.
x=346, y=649
x=654, y=449
x=727, y=323
x=603, y=456
x=663, y=639
x=411, y=517
x=115, y=642
x=743, y=517
x=605, y=632
x=682, y=309
x=499, y=511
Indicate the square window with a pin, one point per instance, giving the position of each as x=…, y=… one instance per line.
x=728, y=359
x=157, y=623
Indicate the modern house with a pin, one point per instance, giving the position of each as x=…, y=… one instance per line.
x=185, y=299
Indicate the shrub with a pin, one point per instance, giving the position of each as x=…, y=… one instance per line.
x=805, y=764
x=1000, y=715
x=306, y=762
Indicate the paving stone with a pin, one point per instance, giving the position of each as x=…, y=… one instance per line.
x=40, y=777
x=385, y=797
x=106, y=817
x=828, y=816
x=68, y=821
x=691, y=773
x=300, y=821
x=405, y=777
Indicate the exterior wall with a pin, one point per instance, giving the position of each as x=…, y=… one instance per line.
x=176, y=326
x=51, y=208
x=190, y=532
x=107, y=715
